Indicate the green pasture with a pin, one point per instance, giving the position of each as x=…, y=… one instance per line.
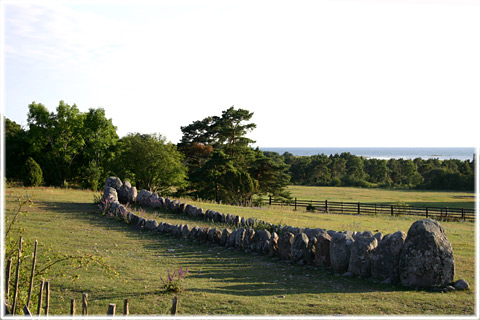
x=221, y=281
x=450, y=199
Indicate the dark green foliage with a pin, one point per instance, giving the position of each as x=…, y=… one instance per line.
x=17, y=149
x=150, y=162
x=32, y=175
x=349, y=170
x=222, y=165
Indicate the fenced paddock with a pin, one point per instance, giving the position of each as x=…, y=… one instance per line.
x=440, y=213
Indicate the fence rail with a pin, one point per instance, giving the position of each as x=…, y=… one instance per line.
x=442, y=213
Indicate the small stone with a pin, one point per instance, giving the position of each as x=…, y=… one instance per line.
x=348, y=274
x=461, y=285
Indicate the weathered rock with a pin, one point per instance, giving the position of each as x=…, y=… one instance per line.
x=202, y=235
x=231, y=239
x=299, y=247
x=143, y=197
x=361, y=256
x=378, y=236
x=461, y=285
x=225, y=234
x=123, y=192
x=194, y=233
x=247, y=239
x=239, y=236
x=340, y=246
x=110, y=194
x=113, y=182
x=285, y=245
x=151, y=224
x=186, y=231
x=273, y=245
x=141, y=222
x=261, y=241
x=427, y=258
x=386, y=257
x=322, y=250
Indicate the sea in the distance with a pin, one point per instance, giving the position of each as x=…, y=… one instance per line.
x=385, y=153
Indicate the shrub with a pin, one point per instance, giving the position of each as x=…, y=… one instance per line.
x=32, y=175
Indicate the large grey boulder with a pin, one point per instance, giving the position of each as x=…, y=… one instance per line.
x=322, y=250
x=261, y=241
x=299, y=247
x=427, y=258
x=110, y=194
x=225, y=234
x=361, y=256
x=113, y=182
x=230, y=243
x=151, y=224
x=386, y=257
x=285, y=240
x=123, y=192
x=340, y=247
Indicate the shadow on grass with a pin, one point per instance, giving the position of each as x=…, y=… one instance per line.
x=230, y=271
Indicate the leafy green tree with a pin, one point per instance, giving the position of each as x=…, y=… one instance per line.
x=57, y=139
x=32, y=175
x=151, y=162
x=17, y=149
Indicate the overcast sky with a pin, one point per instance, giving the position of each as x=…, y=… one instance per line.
x=315, y=73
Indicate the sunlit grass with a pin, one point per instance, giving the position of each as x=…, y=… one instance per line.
x=222, y=281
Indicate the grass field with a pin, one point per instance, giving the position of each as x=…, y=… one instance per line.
x=384, y=196
x=221, y=281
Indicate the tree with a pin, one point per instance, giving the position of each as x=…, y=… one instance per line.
x=151, y=162
x=57, y=139
x=17, y=149
x=223, y=166
x=32, y=175
x=100, y=136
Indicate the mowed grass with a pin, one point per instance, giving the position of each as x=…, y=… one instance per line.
x=222, y=281
x=451, y=199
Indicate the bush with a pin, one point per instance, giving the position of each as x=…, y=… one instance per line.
x=32, y=175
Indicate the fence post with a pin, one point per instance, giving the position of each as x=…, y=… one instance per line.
x=270, y=200
x=47, y=297
x=111, y=309
x=85, y=304
x=72, y=307
x=17, y=278
x=125, y=307
x=174, y=306
x=32, y=274
x=391, y=210
x=39, y=310
x=7, y=278
x=326, y=205
x=295, y=204
x=358, y=209
x=463, y=214
x=426, y=212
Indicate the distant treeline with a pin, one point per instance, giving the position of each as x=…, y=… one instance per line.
x=213, y=161
x=346, y=169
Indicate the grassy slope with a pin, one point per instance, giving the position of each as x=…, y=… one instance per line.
x=222, y=281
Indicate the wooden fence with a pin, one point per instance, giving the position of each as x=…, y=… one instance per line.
x=440, y=213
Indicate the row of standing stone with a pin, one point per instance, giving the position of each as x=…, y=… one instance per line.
x=423, y=258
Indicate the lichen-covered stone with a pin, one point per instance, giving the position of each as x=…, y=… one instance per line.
x=427, y=258
x=340, y=247
x=285, y=245
x=386, y=257
x=322, y=250
x=361, y=256
x=299, y=247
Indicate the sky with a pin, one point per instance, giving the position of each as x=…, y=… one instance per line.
x=314, y=73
